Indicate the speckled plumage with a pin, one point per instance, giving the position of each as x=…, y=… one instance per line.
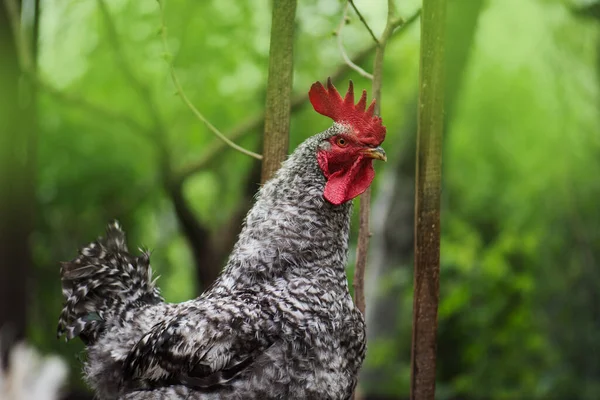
x=279, y=323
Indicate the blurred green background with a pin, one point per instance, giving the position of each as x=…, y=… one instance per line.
x=107, y=137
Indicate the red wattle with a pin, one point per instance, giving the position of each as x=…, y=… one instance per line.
x=345, y=184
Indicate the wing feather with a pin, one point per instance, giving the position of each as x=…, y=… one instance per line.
x=207, y=344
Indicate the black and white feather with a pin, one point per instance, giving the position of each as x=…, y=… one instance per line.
x=102, y=282
x=279, y=323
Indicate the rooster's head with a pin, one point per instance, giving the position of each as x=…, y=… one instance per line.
x=346, y=155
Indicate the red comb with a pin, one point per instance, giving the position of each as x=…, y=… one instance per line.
x=329, y=102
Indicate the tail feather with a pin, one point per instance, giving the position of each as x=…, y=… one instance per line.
x=102, y=282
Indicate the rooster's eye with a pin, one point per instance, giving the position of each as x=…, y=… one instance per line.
x=342, y=142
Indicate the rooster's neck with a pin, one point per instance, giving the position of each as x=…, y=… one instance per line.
x=292, y=230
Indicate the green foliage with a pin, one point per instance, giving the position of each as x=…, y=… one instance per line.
x=519, y=311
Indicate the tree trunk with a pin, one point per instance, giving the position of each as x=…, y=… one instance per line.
x=427, y=200
x=393, y=212
x=279, y=87
x=17, y=196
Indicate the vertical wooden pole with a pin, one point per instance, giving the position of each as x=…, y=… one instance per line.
x=427, y=200
x=279, y=87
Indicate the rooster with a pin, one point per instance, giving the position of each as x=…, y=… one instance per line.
x=278, y=323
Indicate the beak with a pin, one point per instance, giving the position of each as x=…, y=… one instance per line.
x=376, y=153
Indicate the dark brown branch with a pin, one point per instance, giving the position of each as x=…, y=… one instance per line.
x=210, y=249
x=427, y=201
x=197, y=236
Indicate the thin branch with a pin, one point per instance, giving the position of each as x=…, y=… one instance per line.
x=255, y=123
x=362, y=250
x=364, y=21
x=392, y=23
x=186, y=100
x=210, y=126
x=403, y=24
x=340, y=42
x=364, y=233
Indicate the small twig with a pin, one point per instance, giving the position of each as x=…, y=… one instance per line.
x=363, y=21
x=364, y=233
x=403, y=24
x=392, y=23
x=340, y=42
x=186, y=100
